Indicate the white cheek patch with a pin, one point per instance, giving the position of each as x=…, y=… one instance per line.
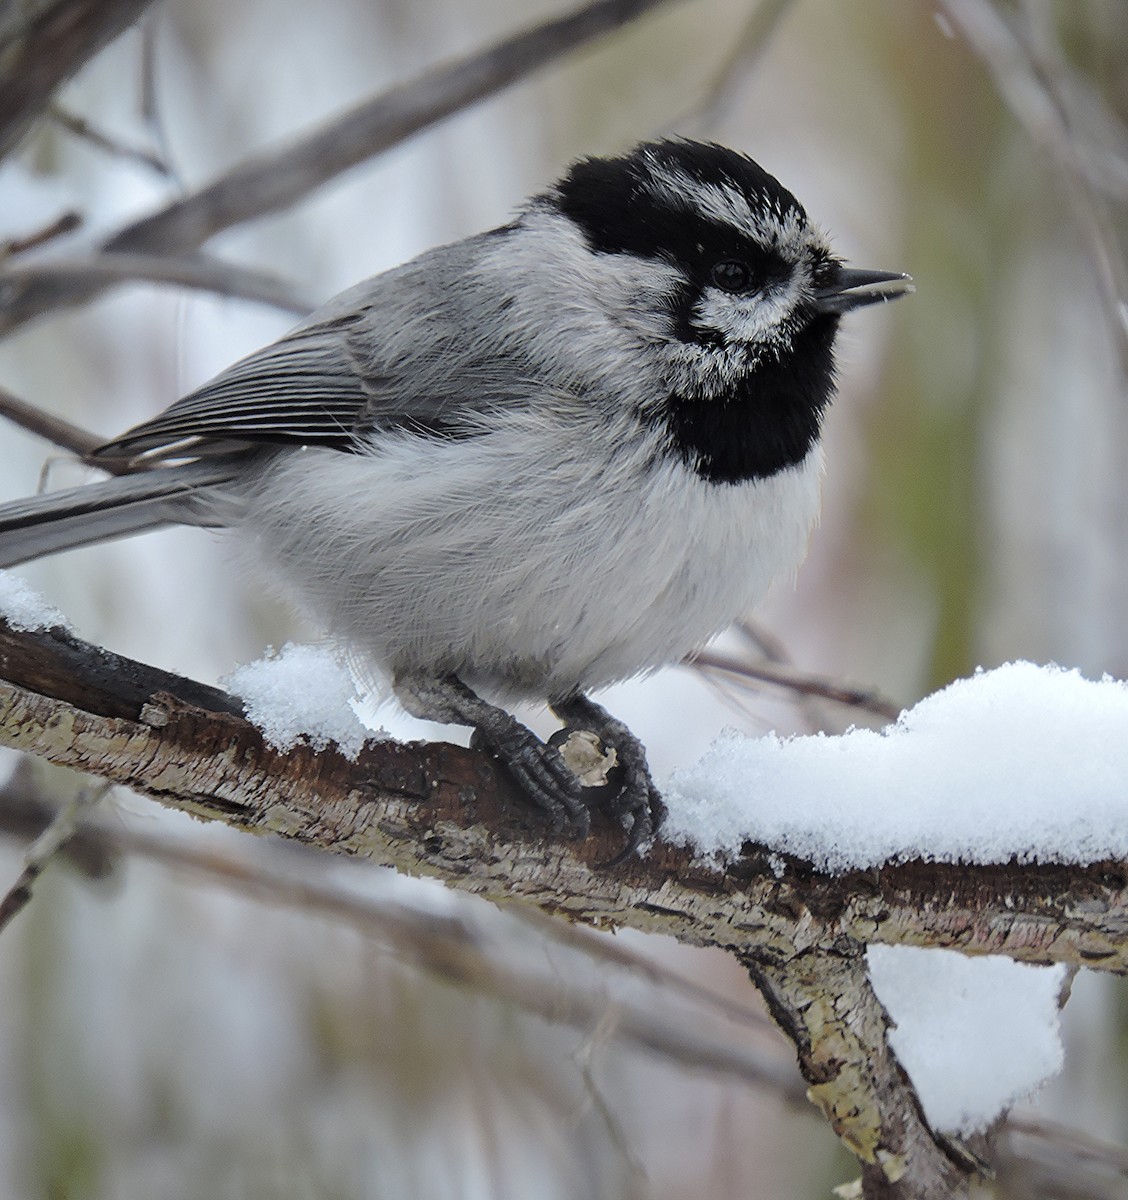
x=759, y=317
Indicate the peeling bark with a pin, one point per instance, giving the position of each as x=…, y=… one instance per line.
x=823, y=1001
x=446, y=811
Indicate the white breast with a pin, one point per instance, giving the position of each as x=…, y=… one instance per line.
x=530, y=562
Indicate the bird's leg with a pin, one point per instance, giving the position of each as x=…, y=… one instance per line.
x=637, y=803
x=539, y=770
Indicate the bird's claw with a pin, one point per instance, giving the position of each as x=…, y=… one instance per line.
x=541, y=773
x=636, y=802
x=604, y=766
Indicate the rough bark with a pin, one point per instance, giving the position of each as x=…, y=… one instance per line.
x=443, y=810
x=823, y=1000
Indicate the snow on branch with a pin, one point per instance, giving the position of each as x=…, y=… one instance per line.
x=443, y=810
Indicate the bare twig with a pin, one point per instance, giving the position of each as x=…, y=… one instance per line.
x=1039, y=1158
x=613, y=953
x=635, y=1185
x=198, y=272
x=1029, y=80
x=39, y=854
x=733, y=685
x=1075, y=1142
x=1099, y=136
x=39, y=55
x=764, y=641
x=266, y=184
x=270, y=182
x=799, y=682
x=53, y=429
x=65, y=223
x=771, y=648
x=83, y=129
x=150, y=103
x=741, y=60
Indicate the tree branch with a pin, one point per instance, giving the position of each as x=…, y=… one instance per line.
x=46, y=49
x=51, y=841
x=81, y=128
x=56, y=430
x=446, y=811
x=1031, y=83
x=197, y=272
x=460, y=947
x=276, y=180
x=823, y=1000
x=782, y=675
x=64, y=223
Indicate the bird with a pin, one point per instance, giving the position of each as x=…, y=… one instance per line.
x=543, y=459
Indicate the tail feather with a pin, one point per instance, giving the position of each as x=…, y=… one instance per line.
x=113, y=508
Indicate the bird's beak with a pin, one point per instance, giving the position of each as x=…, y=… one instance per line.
x=855, y=289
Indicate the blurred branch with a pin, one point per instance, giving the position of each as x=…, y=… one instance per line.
x=1032, y=80
x=447, y=811
x=774, y=667
x=198, y=272
x=610, y=952
x=1099, y=137
x=43, y=45
x=470, y=949
x=81, y=128
x=150, y=104
x=798, y=682
x=66, y=222
x=55, y=430
x=60, y=830
x=1035, y=1157
x=458, y=949
x=741, y=60
x=269, y=182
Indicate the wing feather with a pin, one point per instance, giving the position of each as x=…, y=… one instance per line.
x=305, y=389
x=394, y=352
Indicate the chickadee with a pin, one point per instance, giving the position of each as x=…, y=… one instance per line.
x=549, y=457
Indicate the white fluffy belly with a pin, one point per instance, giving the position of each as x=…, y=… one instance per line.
x=528, y=574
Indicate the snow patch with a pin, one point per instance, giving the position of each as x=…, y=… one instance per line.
x=24, y=608
x=302, y=695
x=1022, y=762
x=975, y=1034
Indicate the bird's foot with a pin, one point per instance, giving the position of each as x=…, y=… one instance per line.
x=538, y=770
x=634, y=800
x=596, y=762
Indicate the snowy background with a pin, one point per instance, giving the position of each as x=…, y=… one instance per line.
x=168, y=1032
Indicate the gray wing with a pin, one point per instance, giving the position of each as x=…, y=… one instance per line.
x=303, y=388
x=403, y=350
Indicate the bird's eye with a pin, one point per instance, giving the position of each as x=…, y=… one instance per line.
x=732, y=275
